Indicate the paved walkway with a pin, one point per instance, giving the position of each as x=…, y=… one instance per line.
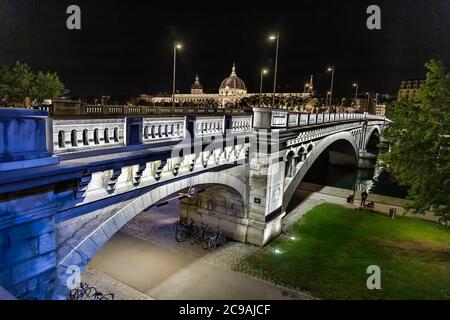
x=164, y=274
x=106, y=284
x=145, y=257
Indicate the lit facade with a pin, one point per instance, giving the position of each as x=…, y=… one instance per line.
x=408, y=88
x=231, y=89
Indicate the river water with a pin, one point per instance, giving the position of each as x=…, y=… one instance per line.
x=377, y=180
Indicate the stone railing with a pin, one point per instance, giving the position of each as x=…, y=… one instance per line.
x=67, y=109
x=163, y=128
x=71, y=135
x=75, y=135
x=266, y=118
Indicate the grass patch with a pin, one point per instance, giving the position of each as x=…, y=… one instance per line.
x=334, y=245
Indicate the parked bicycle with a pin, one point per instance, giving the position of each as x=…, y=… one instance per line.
x=199, y=234
x=207, y=236
x=86, y=292
x=203, y=235
x=183, y=231
x=216, y=239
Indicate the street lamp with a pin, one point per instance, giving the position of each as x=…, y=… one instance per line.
x=326, y=100
x=356, y=90
x=306, y=86
x=263, y=72
x=368, y=101
x=175, y=47
x=331, y=69
x=273, y=38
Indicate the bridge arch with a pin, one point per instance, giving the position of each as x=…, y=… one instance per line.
x=88, y=246
x=346, y=141
x=372, y=137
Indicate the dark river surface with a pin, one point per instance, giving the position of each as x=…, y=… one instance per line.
x=377, y=180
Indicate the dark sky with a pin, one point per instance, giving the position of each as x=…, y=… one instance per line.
x=125, y=47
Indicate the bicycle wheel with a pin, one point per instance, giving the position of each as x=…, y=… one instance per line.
x=205, y=242
x=109, y=296
x=90, y=292
x=212, y=244
x=221, y=240
x=74, y=294
x=199, y=236
x=193, y=238
x=180, y=236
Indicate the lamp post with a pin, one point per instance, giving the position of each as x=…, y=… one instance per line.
x=175, y=47
x=356, y=92
x=331, y=69
x=263, y=72
x=306, y=86
x=326, y=101
x=277, y=38
x=368, y=101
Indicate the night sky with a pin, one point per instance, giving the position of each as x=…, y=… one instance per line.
x=125, y=47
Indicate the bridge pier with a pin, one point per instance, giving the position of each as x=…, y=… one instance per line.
x=366, y=160
x=218, y=207
x=28, y=246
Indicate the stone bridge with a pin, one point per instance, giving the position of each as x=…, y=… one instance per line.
x=68, y=182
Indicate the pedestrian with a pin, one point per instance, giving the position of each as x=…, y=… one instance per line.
x=351, y=198
x=364, y=195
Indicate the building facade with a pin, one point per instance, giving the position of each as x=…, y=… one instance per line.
x=231, y=89
x=408, y=88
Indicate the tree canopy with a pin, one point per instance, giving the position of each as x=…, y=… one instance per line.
x=420, y=140
x=19, y=82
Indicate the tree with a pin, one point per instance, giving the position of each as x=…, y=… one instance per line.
x=19, y=82
x=420, y=141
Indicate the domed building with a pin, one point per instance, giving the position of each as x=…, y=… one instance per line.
x=232, y=89
x=233, y=85
x=196, y=87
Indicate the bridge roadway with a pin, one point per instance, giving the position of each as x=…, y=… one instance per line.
x=61, y=175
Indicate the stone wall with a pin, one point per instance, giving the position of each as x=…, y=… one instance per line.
x=218, y=207
x=27, y=246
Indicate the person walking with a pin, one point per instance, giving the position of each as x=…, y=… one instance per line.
x=364, y=195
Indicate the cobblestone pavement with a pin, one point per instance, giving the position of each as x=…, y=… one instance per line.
x=157, y=226
x=106, y=284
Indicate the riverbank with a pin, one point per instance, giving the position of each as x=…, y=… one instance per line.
x=327, y=254
x=382, y=204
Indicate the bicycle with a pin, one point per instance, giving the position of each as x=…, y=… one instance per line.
x=100, y=296
x=81, y=292
x=183, y=231
x=198, y=234
x=209, y=233
x=217, y=239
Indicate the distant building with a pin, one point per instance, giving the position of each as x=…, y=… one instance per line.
x=197, y=88
x=380, y=110
x=408, y=88
x=231, y=89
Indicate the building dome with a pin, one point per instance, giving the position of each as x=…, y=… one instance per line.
x=196, y=87
x=233, y=82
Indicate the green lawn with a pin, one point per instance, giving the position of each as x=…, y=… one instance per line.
x=334, y=245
